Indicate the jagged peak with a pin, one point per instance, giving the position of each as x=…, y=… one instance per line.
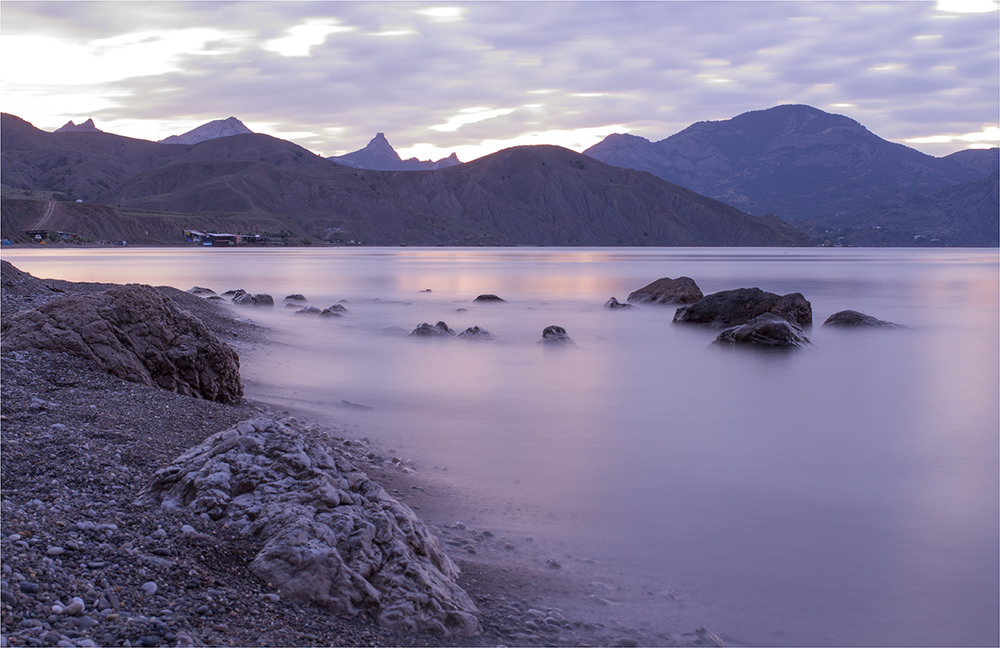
x=85, y=127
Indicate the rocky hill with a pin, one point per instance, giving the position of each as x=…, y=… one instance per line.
x=523, y=196
x=804, y=165
x=379, y=155
x=212, y=130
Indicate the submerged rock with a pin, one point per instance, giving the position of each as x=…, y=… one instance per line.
x=767, y=329
x=614, y=303
x=851, y=318
x=489, y=298
x=332, y=536
x=438, y=330
x=247, y=299
x=682, y=290
x=555, y=335
x=135, y=333
x=308, y=310
x=296, y=297
x=475, y=333
x=734, y=307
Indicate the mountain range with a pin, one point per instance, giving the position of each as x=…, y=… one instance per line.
x=252, y=183
x=824, y=173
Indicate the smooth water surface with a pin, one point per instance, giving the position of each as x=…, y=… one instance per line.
x=842, y=495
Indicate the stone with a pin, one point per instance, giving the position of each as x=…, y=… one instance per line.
x=334, y=311
x=555, y=335
x=854, y=319
x=135, y=333
x=614, y=303
x=475, y=333
x=768, y=330
x=309, y=310
x=296, y=297
x=330, y=535
x=682, y=290
x=426, y=330
x=149, y=588
x=198, y=290
x=735, y=307
x=247, y=299
x=489, y=298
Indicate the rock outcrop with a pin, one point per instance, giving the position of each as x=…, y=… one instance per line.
x=614, y=303
x=555, y=336
x=331, y=535
x=475, y=333
x=767, y=330
x=135, y=333
x=438, y=330
x=489, y=298
x=735, y=307
x=854, y=319
x=682, y=290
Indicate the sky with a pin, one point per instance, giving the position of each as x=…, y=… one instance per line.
x=477, y=77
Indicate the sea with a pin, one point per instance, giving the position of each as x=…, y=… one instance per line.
x=845, y=494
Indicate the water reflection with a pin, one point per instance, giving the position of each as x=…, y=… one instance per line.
x=845, y=495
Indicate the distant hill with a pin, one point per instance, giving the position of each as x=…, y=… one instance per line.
x=797, y=162
x=965, y=215
x=212, y=130
x=522, y=196
x=379, y=155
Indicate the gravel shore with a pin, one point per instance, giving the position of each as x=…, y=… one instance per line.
x=83, y=565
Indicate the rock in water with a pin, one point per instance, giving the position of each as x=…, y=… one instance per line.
x=489, y=298
x=734, y=307
x=767, y=329
x=682, y=290
x=851, y=318
x=135, y=333
x=332, y=536
x=438, y=330
x=614, y=303
x=555, y=335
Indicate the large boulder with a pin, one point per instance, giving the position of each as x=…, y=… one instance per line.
x=854, y=319
x=767, y=330
x=331, y=536
x=735, y=307
x=682, y=290
x=135, y=333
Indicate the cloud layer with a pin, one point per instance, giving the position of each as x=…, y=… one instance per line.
x=476, y=77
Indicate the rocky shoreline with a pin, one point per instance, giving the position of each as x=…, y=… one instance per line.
x=89, y=558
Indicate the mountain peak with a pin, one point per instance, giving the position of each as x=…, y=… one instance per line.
x=212, y=130
x=378, y=155
x=86, y=127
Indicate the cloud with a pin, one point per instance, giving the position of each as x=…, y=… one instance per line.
x=335, y=73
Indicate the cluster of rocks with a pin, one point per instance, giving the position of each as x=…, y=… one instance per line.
x=248, y=538
x=748, y=315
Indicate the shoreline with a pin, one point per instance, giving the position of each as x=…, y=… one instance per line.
x=79, y=445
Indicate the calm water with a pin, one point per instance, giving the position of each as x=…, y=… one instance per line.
x=842, y=495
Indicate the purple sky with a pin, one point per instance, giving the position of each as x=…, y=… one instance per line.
x=476, y=77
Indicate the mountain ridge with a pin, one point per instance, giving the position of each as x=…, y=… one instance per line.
x=520, y=196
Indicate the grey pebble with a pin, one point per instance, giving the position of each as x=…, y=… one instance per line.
x=149, y=588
